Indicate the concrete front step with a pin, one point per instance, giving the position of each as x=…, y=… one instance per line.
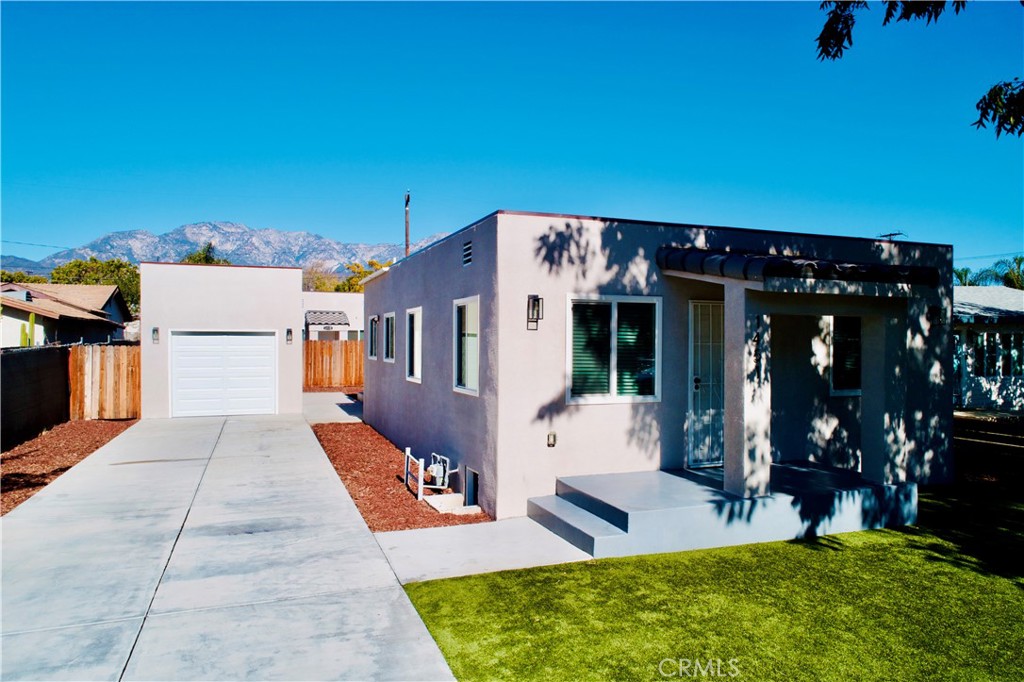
x=652, y=512
x=573, y=524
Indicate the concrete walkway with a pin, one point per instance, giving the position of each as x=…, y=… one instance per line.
x=432, y=553
x=331, y=408
x=214, y=548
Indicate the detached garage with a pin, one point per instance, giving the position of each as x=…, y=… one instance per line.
x=220, y=340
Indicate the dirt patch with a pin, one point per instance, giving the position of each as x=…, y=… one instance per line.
x=371, y=468
x=28, y=468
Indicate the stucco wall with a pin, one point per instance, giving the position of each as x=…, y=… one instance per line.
x=430, y=416
x=808, y=422
x=179, y=297
x=506, y=430
x=12, y=321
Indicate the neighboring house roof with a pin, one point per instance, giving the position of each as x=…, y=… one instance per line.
x=69, y=301
x=758, y=266
x=326, y=317
x=988, y=304
x=88, y=296
x=53, y=309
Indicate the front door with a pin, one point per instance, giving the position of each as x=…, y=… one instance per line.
x=706, y=419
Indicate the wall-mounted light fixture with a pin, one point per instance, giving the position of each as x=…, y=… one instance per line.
x=288, y=335
x=156, y=334
x=552, y=439
x=534, y=311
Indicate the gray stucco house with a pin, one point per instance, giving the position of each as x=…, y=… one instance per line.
x=988, y=337
x=537, y=350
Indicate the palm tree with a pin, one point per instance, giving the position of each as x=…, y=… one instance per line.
x=963, y=277
x=1010, y=272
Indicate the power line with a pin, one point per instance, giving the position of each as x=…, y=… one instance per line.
x=49, y=246
x=991, y=255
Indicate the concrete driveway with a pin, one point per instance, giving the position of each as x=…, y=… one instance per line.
x=208, y=548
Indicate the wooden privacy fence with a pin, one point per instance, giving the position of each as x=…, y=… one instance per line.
x=332, y=363
x=105, y=382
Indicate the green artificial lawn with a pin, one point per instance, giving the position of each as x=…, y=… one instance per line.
x=940, y=601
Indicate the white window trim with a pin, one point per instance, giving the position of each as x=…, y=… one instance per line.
x=418, y=349
x=612, y=399
x=371, y=348
x=455, y=345
x=842, y=392
x=384, y=337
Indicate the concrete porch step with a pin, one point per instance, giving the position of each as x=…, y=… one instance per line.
x=633, y=513
x=573, y=523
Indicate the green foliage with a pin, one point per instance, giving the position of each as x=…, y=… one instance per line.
x=318, y=276
x=353, y=283
x=24, y=336
x=31, y=329
x=205, y=256
x=964, y=277
x=1009, y=272
x=20, y=277
x=95, y=271
x=1002, y=105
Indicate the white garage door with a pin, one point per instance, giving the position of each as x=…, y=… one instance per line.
x=216, y=373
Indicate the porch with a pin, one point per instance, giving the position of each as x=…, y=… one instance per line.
x=650, y=512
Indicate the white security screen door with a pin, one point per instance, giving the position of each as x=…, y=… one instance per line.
x=223, y=373
x=706, y=419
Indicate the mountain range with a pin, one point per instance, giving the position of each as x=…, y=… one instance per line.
x=238, y=243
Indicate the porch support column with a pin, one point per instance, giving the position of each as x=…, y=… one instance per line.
x=883, y=399
x=748, y=413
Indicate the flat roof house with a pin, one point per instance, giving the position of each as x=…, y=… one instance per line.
x=220, y=340
x=332, y=316
x=577, y=367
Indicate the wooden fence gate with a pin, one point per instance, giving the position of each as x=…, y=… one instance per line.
x=332, y=363
x=105, y=382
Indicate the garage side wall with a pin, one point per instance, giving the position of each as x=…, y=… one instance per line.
x=215, y=298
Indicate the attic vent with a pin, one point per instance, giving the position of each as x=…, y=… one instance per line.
x=467, y=253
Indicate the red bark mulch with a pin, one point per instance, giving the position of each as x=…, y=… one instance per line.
x=347, y=390
x=371, y=469
x=29, y=467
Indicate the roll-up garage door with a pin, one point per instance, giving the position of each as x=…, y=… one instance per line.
x=223, y=373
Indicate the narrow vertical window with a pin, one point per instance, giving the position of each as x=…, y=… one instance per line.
x=466, y=351
x=846, y=355
x=414, y=343
x=389, y=337
x=591, y=348
x=372, y=341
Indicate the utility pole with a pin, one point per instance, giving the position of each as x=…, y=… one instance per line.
x=406, y=223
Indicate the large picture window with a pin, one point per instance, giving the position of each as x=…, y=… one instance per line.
x=371, y=343
x=466, y=347
x=414, y=344
x=614, y=349
x=389, y=337
x=846, y=356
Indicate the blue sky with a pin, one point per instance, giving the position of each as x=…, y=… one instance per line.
x=319, y=116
